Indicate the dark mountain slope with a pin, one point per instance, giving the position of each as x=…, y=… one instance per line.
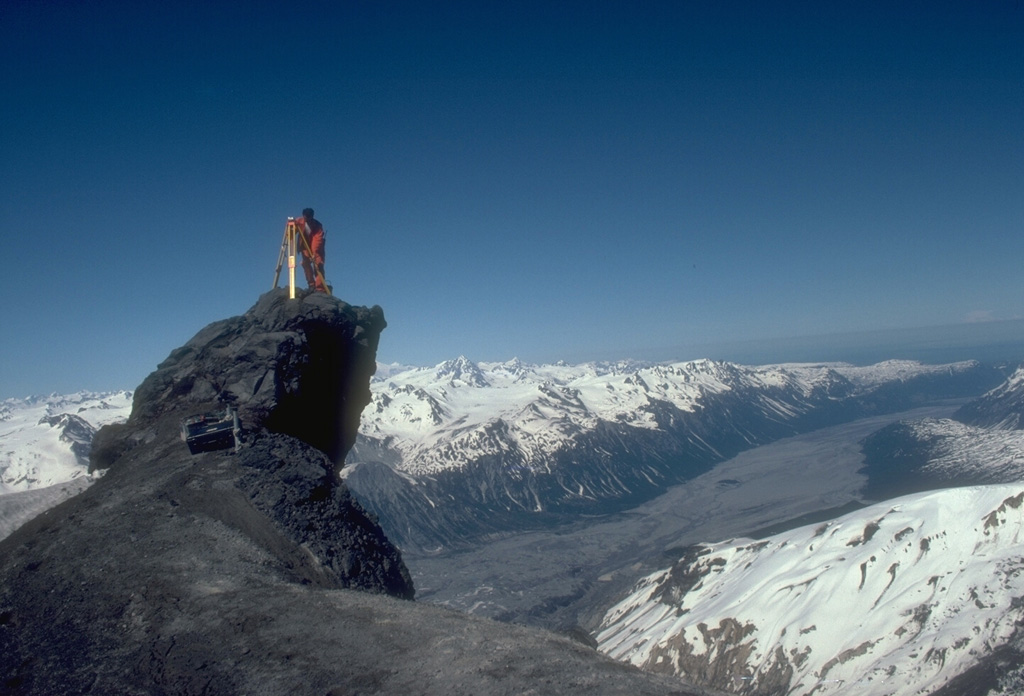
x=233, y=572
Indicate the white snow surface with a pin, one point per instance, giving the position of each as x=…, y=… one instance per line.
x=434, y=415
x=980, y=455
x=869, y=376
x=39, y=435
x=1015, y=383
x=896, y=598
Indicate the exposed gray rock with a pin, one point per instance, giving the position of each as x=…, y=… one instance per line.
x=233, y=572
x=284, y=480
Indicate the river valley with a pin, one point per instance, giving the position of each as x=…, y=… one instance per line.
x=564, y=579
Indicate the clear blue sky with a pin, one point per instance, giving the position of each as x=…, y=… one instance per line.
x=584, y=180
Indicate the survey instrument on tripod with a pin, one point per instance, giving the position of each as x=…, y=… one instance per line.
x=295, y=239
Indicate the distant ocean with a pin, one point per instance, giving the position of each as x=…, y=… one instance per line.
x=990, y=342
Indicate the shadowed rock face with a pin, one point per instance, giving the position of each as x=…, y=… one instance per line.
x=299, y=367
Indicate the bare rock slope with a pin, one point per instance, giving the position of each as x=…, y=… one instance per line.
x=253, y=571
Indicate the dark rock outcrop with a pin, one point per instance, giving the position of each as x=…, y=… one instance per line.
x=301, y=368
x=236, y=572
x=298, y=373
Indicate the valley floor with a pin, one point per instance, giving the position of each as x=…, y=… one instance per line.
x=18, y=508
x=564, y=579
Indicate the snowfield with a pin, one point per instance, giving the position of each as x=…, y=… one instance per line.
x=869, y=376
x=896, y=598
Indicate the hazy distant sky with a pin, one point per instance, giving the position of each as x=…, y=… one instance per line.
x=547, y=180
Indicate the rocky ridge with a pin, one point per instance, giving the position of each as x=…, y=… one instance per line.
x=252, y=571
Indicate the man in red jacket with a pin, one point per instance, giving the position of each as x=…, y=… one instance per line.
x=312, y=247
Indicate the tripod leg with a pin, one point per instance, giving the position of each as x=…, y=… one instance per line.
x=280, y=259
x=290, y=232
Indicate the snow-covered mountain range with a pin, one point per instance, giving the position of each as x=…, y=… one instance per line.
x=921, y=455
x=464, y=449
x=45, y=440
x=897, y=598
x=435, y=418
x=922, y=594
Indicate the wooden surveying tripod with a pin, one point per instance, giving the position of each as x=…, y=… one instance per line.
x=289, y=246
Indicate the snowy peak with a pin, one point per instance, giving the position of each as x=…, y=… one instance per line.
x=74, y=430
x=513, y=370
x=424, y=412
x=897, y=598
x=412, y=407
x=1003, y=407
x=461, y=371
